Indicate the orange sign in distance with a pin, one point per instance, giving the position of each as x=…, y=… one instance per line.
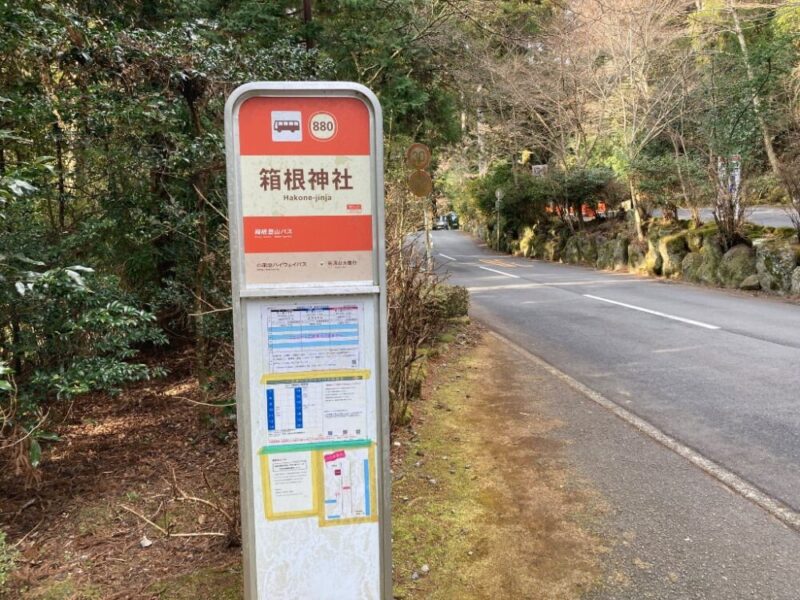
x=420, y=184
x=418, y=156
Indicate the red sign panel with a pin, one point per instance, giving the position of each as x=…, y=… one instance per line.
x=306, y=180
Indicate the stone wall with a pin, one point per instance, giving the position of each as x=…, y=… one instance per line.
x=770, y=263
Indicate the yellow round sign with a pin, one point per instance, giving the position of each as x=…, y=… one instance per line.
x=420, y=184
x=418, y=156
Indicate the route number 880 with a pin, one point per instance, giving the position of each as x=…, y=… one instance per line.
x=322, y=126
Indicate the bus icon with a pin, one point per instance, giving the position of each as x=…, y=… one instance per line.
x=286, y=126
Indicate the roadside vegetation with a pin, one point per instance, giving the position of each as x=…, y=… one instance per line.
x=113, y=225
x=634, y=109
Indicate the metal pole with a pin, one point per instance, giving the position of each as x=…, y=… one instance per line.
x=497, y=226
x=498, y=193
x=428, y=239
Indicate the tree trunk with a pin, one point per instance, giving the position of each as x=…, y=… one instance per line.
x=483, y=164
x=762, y=124
x=308, y=16
x=201, y=339
x=199, y=183
x=16, y=360
x=637, y=217
x=684, y=191
x=62, y=193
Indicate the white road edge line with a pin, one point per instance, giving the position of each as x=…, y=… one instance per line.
x=653, y=312
x=445, y=256
x=499, y=272
x=776, y=508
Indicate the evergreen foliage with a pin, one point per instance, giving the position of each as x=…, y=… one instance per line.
x=113, y=224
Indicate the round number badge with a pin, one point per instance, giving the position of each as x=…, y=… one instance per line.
x=322, y=126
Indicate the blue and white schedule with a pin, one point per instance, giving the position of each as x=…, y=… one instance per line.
x=315, y=406
x=314, y=383
x=322, y=337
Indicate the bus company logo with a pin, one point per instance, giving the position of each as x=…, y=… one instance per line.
x=284, y=233
x=286, y=126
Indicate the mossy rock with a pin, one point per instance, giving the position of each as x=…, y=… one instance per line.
x=753, y=231
x=710, y=232
x=637, y=251
x=552, y=249
x=605, y=254
x=751, y=283
x=737, y=264
x=694, y=240
x=712, y=257
x=690, y=266
x=620, y=252
x=672, y=249
x=572, y=251
x=537, y=247
x=795, y=289
x=653, y=263
x=588, y=249
x=654, y=232
x=526, y=241
x=776, y=261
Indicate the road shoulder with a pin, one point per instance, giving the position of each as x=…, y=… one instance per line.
x=483, y=503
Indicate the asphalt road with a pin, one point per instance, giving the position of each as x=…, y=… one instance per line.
x=770, y=216
x=719, y=372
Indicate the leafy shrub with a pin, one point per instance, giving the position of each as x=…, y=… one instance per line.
x=524, y=197
x=418, y=304
x=765, y=189
x=68, y=332
x=450, y=301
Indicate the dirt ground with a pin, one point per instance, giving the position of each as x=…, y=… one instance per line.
x=148, y=451
x=483, y=505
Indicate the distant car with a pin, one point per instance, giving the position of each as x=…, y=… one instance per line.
x=452, y=220
x=441, y=223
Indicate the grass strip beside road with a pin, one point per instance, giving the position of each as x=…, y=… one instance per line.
x=484, y=505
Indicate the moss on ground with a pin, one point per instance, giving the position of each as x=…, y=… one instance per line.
x=435, y=508
x=66, y=590
x=217, y=583
x=482, y=505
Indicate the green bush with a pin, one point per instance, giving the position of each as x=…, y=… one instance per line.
x=765, y=189
x=69, y=332
x=450, y=301
x=524, y=198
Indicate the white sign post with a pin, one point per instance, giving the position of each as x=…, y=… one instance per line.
x=305, y=197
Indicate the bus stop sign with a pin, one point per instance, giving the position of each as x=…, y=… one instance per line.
x=305, y=197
